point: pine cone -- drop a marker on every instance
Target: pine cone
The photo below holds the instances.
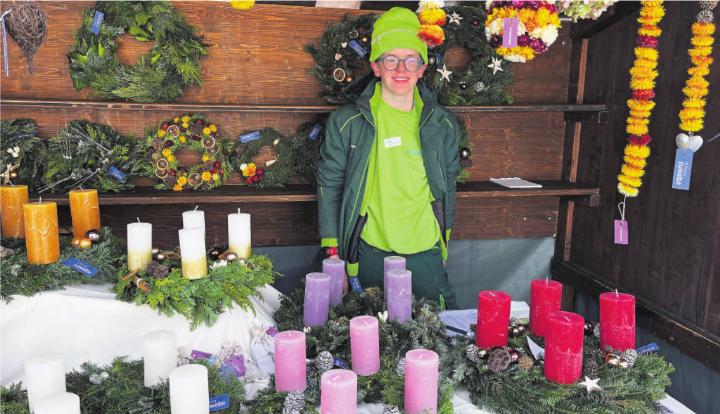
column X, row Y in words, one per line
column 157, row 270
column 499, row 359
column 324, row 361
column 629, row 355
column 596, row 331
column 374, row 292
column 294, row 403
column 471, row 352
column 526, row 362
column 391, row 409
column 400, row 368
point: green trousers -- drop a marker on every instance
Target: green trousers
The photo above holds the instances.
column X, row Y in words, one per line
column 429, row 278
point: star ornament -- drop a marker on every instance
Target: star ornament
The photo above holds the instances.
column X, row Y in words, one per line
column 445, row 73
column 496, row 65
column 455, row 18
column 591, row 385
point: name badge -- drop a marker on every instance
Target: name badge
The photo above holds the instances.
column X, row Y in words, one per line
column 393, row 142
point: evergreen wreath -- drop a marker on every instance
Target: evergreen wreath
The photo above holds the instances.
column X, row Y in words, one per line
column 21, row 278
column 163, row 287
column 276, row 172
column 91, row 155
column 194, row 132
column 22, row 154
column 306, row 147
column 172, row 65
column 119, row 388
column 342, row 68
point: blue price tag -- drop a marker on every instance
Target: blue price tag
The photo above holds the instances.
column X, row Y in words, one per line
column 220, row 402
column 651, row 347
column 355, row 45
column 249, row 137
column 83, row 267
column 97, row 21
column 314, row 132
column 117, row 173
column 355, row 284
column 683, row 169
column 340, row 363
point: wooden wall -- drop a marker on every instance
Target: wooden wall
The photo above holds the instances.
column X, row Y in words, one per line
column 672, row 263
column 257, row 57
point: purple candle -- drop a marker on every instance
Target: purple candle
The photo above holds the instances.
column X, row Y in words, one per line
column 290, row 369
column 421, row 381
column 365, row 345
column 317, row 299
column 335, row 268
column 392, row 263
column 398, row 294
column 338, row 392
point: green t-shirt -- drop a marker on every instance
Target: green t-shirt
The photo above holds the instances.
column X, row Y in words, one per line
column 397, row 198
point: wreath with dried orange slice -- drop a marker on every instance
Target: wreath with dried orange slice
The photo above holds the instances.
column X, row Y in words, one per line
column 194, row 132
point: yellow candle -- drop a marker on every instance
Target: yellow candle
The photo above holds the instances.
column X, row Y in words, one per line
column 85, row 211
column 41, row 232
column 12, row 199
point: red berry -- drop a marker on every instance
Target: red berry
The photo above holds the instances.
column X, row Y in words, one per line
column 165, row 126
column 255, row 178
column 220, row 171
column 172, row 172
column 217, row 164
column 260, row 172
column 214, row 170
column 249, row 180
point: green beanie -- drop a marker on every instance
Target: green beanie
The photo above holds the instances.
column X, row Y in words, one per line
column 397, row 28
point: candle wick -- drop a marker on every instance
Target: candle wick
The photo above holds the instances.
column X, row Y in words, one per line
column 196, row 207
column 238, row 210
column 40, row 200
column 138, row 219
column 616, row 293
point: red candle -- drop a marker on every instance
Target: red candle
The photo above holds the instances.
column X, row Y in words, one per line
column 617, row 321
column 564, row 347
column 492, row 319
column 545, row 297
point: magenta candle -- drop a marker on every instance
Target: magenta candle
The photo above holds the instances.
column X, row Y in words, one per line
column 365, row 345
column 493, row 319
column 617, row 321
column 421, row 381
column 564, row 347
column 391, row 263
column 317, row 299
column 545, row 296
column 290, row 361
column 335, row 268
column 338, row 392
column 398, row 294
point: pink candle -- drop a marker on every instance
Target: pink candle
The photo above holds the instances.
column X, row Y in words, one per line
column 290, row 361
column 338, row 392
column 365, row 345
column 317, row 299
column 421, row 381
column 493, row 319
column 617, row 321
column 545, row 297
column 398, row 294
column 335, row 268
column 564, row 347
column 392, row 263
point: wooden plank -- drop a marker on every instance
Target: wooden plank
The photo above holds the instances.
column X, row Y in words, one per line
column 256, row 56
column 496, row 218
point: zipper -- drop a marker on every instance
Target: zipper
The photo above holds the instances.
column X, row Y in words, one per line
column 364, row 175
column 442, row 173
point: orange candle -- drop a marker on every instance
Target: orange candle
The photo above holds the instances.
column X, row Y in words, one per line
column 12, row 199
column 42, row 239
column 85, row 211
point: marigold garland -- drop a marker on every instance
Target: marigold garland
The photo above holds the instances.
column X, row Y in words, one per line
column 696, row 87
column 640, row 105
column 432, row 17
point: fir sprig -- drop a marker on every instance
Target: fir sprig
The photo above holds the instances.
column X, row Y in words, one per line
column 21, row 147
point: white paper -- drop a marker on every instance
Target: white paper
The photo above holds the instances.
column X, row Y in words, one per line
column 515, row 182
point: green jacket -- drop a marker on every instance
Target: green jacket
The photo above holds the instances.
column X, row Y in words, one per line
column 343, row 168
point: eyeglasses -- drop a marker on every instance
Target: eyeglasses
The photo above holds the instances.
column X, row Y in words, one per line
column 392, row 62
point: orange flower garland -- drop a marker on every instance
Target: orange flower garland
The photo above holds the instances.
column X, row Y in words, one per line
column 696, row 87
column 642, row 83
column 432, row 17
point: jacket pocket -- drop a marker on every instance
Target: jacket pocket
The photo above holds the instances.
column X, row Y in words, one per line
column 354, row 243
column 439, row 211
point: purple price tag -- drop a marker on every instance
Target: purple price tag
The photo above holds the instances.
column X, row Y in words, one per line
column 510, row 32
column 195, row 354
column 272, row 331
column 237, row 364
column 314, row 132
column 338, row 362
column 683, row 169
column 621, row 232
column 355, row 45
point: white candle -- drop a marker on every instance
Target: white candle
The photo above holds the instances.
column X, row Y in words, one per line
column 239, row 234
column 159, row 356
column 139, row 245
column 194, row 219
column 44, row 377
column 189, row 390
column 192, row 253
column 63, row 403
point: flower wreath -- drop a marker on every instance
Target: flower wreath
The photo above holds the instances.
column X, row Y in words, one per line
column 276, row 172
column 188, row 131
column 538, row 25
column 343, row 70
column 172, row 65
column 23, row 155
